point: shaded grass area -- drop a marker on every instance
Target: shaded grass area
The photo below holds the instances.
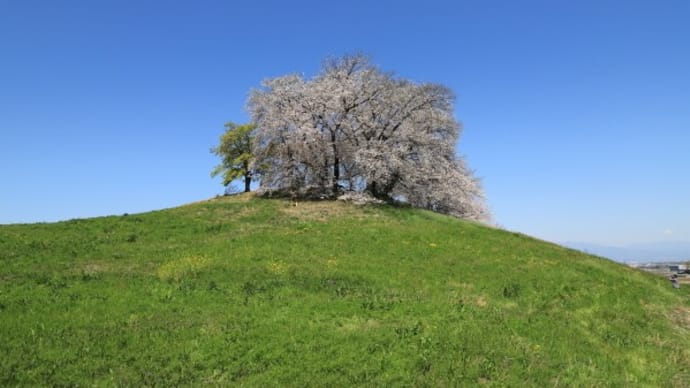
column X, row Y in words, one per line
column 258, row 292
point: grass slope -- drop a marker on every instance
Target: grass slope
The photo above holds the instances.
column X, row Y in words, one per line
column 260, row 293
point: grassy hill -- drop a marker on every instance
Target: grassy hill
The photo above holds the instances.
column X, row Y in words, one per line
column 254, row 292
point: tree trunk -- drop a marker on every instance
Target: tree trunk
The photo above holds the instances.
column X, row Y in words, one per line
column 336, row 176
column 371, row 188
column 247, row 178
column 336, row 166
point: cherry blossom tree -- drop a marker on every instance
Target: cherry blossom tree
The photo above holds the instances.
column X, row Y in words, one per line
column 354, row 127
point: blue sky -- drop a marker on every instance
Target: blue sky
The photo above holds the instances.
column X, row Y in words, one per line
column 576, row 114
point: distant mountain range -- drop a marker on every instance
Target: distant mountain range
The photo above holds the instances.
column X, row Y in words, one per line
column 638, row 253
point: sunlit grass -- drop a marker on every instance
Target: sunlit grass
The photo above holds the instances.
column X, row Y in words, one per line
column 263, row 293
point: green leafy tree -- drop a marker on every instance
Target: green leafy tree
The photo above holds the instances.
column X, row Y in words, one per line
column 236, row 153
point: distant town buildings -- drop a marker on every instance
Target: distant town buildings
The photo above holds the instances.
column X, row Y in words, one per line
column 678, row 273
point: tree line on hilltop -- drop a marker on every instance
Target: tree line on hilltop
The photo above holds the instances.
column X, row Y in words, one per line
column 353, row 128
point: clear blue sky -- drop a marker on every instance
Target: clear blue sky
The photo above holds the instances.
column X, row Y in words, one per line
column 576, row 113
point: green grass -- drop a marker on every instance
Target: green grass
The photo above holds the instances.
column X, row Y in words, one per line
column 244, row 291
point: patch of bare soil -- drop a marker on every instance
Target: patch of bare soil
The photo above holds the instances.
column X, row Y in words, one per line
column 317, row 210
